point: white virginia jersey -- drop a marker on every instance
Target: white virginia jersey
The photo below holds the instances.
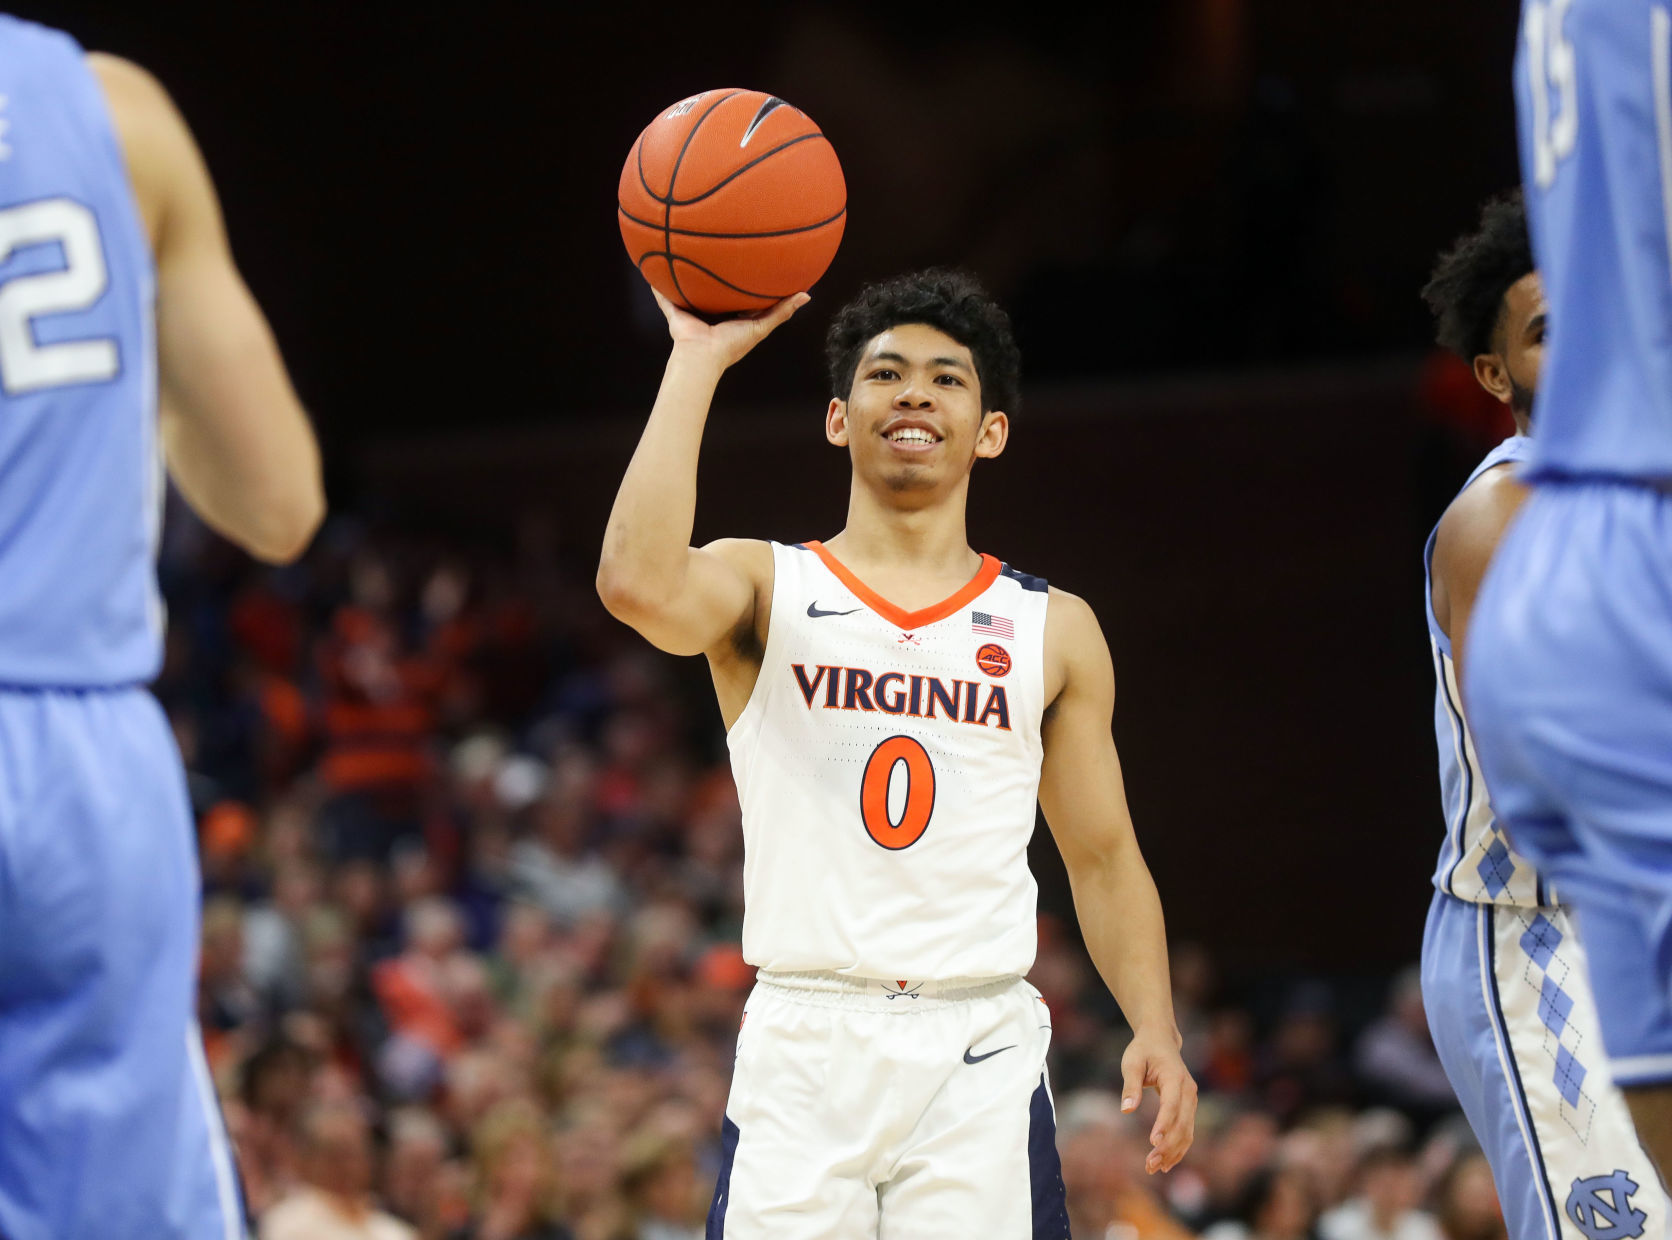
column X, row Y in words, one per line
column 1476, row 861
column 888, row 767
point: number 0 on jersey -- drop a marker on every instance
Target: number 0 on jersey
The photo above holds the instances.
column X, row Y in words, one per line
column 920, row 792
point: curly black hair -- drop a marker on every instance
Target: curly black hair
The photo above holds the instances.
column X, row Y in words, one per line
column 1466, row 291
column 949, row 301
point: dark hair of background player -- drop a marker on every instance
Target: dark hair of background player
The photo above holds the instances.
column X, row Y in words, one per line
column 949, row 301
column 1466, row 291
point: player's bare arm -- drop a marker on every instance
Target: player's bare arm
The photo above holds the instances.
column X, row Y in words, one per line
column 237, row 440
column 1084, row 799
column 1468, row 534
column 711, row 600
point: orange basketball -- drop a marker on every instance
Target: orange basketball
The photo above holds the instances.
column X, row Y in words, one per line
column 731, row 200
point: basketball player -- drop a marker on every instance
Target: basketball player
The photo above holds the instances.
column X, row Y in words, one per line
column 118, row 298
column 896, row 704
column 1569, row 679
column 1503, row 973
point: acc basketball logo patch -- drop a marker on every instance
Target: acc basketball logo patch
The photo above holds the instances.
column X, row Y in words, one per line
column 1601, row 1207
column 993, row 659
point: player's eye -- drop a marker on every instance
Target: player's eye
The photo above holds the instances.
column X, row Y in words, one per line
column 949, row 379
column 885, row 374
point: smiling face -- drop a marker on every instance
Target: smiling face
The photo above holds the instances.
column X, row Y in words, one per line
column 913, row 422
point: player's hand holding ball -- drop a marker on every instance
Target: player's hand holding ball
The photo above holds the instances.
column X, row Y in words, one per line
column 725, row 342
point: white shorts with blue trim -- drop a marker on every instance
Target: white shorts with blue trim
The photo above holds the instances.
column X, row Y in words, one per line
column 899, row 1110
column 1510, row 1005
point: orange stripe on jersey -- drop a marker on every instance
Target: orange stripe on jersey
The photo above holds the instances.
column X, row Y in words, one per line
column 908, row 620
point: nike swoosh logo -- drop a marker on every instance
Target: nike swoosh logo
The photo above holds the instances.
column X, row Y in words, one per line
column 766, row 110
column 969, row 1058
column 815, row 612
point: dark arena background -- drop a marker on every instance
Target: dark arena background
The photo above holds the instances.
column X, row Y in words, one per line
column 471, row 847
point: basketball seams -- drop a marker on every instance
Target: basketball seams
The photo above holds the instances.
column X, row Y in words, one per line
column 712, row 275
column 741, row 169
column 732, row 236
column 668, row 199
column 673, row 180
column 638, row 152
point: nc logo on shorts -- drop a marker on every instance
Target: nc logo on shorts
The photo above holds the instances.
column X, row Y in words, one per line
column 1601, row 1207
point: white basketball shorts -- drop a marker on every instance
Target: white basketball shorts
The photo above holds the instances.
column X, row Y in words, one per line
column 899, row 1110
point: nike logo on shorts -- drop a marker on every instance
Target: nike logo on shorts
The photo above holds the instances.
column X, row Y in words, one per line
column 969, row 1058
column 815, row 612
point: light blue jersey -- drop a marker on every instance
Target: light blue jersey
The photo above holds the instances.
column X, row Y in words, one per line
column 109, row 1127
column 1570, row 671
column 1513, row 1015
column 79, row 467
column 1476, row 862
column 1593, row 85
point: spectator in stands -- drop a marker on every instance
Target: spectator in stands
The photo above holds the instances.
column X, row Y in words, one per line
column 274, row 959
column 555, row 867
column 660, row 1181
column 1103, row 1154
column 414, row 987
column 226, row 1000
column 270, row 1102
column 334, row 1202
column 1231, row 1148
column 1301, row 1068
column 1277, row 1205
column 421, row 1184
column 515, row 1197
column 1385, row 1208
column 1395, row 1056
column 1468, row 1203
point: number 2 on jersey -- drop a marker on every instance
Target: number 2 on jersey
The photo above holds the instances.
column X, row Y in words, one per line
column 26, row 366
column 920, row 792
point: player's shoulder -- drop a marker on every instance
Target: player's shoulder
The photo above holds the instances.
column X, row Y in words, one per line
column 1071, row 625
column 750, row 555
column 1065, row 607
column 1477, row 518
column 1076, row 652
column 128, row 86
column 156, row 143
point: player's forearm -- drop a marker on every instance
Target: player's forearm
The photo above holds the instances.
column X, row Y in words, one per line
column 647, row 541
column 1120, row 918
column 255, row 481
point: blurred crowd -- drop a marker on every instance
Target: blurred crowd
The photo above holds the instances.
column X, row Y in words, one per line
column 470, row 967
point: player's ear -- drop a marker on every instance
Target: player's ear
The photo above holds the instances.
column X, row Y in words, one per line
column 836, row 423
column 994, row 434
column 1493, row 375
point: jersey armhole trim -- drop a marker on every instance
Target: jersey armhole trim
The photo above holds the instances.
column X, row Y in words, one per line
column 774, row 641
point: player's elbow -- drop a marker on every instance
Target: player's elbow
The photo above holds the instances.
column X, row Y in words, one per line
column 286, row 530
column 627, row 595
column 648, row 607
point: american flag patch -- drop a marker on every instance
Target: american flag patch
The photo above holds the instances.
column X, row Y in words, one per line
column 992, row 626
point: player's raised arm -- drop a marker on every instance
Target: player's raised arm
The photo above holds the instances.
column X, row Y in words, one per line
column 1467, row 536
column 1084, row 799
column 236, row 438
column 684, row 599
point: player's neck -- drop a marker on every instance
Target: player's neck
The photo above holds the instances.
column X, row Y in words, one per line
column 930, row 540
